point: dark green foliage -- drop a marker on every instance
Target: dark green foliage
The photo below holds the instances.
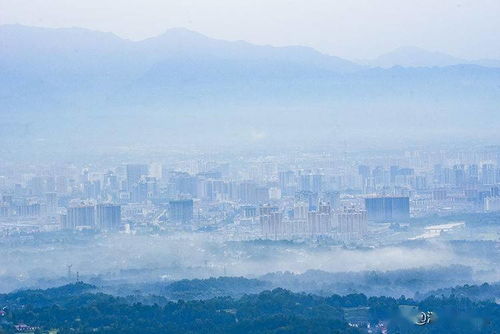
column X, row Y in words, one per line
column 277, row 311
column 475, row 292
column 44, row 297
column 213, row 287
column 72, row 309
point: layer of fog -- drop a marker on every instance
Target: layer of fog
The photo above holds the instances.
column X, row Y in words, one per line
column 138, row 259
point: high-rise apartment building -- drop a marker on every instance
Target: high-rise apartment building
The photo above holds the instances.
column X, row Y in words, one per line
column 381, row 209
column 108, row 217
column 181, row 210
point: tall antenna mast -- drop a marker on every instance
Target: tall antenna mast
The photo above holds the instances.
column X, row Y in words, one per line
column 69, row 270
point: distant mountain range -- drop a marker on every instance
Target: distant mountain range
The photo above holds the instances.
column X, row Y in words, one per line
column 416, row 57
column 74, row 86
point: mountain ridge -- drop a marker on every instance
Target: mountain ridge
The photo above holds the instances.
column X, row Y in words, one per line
column 218, row 91
column 411, row 56
column 406, row 56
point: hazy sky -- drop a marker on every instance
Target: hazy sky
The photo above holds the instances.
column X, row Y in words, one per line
column 347, row 28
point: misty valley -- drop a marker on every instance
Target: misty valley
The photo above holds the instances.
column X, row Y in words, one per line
column 248, row 167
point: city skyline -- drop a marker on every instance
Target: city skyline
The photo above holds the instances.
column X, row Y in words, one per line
column 230, row 166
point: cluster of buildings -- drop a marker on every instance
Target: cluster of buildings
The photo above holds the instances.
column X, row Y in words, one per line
column 277, row 197
column 344, row 225
column 89, row 216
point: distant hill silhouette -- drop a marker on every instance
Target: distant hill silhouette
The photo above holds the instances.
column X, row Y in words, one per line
column 79, row 89
column 409, row 56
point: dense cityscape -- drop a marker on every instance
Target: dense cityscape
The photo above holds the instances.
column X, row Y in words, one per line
column 304, row 196
column 248, row 167
column 319, row 222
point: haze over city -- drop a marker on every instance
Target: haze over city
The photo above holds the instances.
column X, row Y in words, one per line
column 249, row 167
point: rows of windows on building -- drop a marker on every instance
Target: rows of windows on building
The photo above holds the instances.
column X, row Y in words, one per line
column 286, row 203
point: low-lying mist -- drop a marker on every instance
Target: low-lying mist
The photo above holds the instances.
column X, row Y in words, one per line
column 130, row 259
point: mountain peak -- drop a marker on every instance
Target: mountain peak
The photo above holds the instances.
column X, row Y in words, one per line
column 412, row 56
column 178, row 34
column 182, row 31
